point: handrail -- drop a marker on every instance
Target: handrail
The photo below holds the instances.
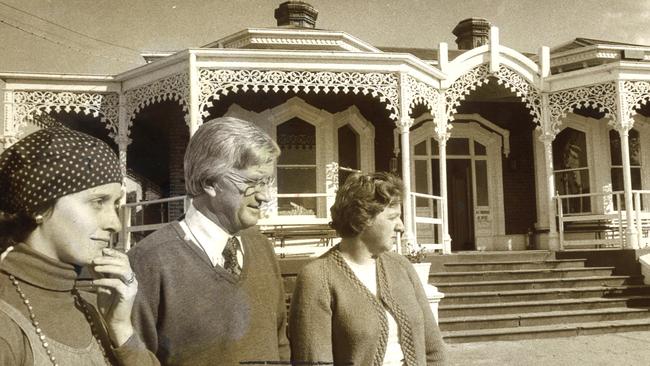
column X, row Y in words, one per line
column 152, row 202
column 594, row 194
column 431, row 220
column 301, row 195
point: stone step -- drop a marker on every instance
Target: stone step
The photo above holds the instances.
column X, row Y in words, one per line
column 547, row 331
column 543, row 294
column 455, row 287
column 541, row 306
column 477, row 256
column 446, row 277
column 511, row 265
column 537, row 319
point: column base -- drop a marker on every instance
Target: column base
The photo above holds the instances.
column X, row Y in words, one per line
column 631, row 240
column 548, row 241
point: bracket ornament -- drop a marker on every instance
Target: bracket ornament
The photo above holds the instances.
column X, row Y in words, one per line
column 421, row 93
column 215, row 83
column 28, row 104
column 463, row 86
column 600, row 96
column 633, row 95
column 175, row 87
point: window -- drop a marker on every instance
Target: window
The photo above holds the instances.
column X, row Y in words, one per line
column 634, row 143
column 296, row 167
column 348, row 152
column 571, row 169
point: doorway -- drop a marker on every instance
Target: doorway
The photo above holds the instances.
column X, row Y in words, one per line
column 460, row 204
column 474, row 182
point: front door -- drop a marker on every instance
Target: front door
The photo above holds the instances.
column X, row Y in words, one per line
column 474, row 185
column 461, row 210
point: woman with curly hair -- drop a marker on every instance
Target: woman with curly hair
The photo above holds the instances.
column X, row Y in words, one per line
column 360, row 303
column 58, row 194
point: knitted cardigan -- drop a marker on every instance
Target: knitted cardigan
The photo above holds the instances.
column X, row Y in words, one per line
column 47, row 283
column 190, row 312
column 335, row 318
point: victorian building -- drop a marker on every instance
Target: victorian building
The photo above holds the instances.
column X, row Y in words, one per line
column 499, row 150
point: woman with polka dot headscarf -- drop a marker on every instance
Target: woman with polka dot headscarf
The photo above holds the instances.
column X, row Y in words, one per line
column 58, row 195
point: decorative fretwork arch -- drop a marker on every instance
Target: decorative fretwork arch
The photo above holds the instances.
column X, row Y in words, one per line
column 421, row 93
column 28, row 104
column 480, row 75
column 175, row 87
column 599, row 96
column 214, row 83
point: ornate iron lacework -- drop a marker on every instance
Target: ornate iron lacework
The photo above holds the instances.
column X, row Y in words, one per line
column 215, row 83
column 633, row 95
column 332, row 176
column 28, row 104
column 46, row 121
column 421, row 93
column 601, row 97
column 523, row 90
column 463, row 86
column 504, row 76
column 175, row 87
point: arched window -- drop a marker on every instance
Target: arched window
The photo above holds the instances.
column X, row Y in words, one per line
column 296, row 167
column 617, row 164
column 571, row 169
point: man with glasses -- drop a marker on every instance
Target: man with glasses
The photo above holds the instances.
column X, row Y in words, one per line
column 210, row 286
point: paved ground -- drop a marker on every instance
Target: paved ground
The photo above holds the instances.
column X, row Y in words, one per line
column 616, row 349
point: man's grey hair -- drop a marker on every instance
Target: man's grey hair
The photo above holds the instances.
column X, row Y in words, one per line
column 221, row 145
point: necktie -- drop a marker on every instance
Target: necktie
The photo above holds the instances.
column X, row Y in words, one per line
column 230, row 262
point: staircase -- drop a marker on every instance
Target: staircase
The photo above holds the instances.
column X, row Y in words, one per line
column 517, row 295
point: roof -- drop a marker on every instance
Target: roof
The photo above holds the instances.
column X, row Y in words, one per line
column 584, row 42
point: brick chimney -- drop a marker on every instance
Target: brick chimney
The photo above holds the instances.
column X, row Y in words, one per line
column 297, row 14
column 471, row 33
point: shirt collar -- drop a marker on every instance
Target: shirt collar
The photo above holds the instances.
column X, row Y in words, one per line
column 208, row 235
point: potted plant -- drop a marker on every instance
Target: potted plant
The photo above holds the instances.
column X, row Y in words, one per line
column 416, row 254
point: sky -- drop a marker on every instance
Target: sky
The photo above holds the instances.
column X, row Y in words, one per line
column 107, row 36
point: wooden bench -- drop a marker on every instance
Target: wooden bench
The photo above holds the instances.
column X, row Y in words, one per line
column 601, row 226
column 281, row 233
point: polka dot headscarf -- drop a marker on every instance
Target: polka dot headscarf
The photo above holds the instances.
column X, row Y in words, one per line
column 52, row 163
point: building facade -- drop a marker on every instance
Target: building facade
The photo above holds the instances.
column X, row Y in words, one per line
column 499, row 150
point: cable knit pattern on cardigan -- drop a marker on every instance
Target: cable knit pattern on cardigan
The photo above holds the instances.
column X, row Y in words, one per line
column 335, row 318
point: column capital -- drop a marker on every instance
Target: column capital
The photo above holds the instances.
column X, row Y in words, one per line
column 404, row 124
column 546, row 137
column 123, row 140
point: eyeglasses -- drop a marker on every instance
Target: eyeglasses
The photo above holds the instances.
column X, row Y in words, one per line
column 249, row 186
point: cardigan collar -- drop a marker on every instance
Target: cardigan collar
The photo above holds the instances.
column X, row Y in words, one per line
column 38, row 269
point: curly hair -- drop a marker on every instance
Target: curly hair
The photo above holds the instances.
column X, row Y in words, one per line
column 361, row 198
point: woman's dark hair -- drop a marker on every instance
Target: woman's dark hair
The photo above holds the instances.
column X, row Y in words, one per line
column 16, row 227
column 361, row 198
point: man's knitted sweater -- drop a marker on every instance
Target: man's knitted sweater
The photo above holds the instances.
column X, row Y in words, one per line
column 190, row 312
column 334, row 318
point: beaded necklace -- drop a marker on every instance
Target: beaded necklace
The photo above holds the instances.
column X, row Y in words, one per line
column 39, row 331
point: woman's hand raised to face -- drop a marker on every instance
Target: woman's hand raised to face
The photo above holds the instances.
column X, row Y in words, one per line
column 116, row 290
